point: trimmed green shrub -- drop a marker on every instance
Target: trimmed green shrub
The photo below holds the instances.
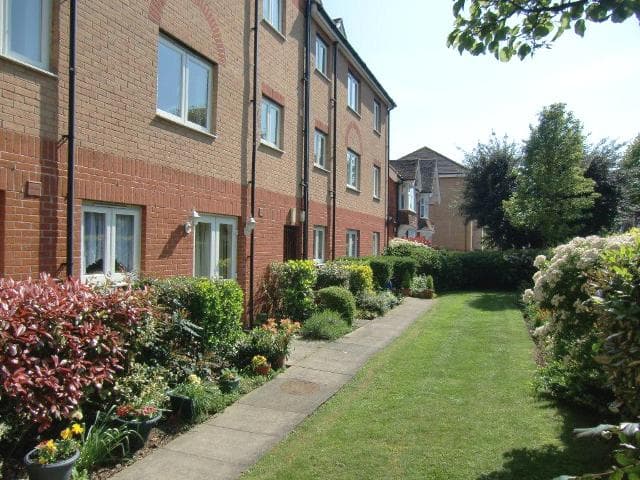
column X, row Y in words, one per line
column 429, row 283
column 333, row 274
column 339, row 299
column 360, row 278
column 325, row 325
column 376, row 303
column 215, row 306
column 289, row 289
column 404, row 269
column 382, row 269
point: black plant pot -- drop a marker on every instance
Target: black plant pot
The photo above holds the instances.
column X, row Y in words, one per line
column 52, row 471
column 141, row 429
column 182, row 406
column 228, row 386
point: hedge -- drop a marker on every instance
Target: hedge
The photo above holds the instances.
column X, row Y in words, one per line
column 338, row 299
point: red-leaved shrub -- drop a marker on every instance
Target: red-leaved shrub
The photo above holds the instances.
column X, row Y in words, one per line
column 57, row 339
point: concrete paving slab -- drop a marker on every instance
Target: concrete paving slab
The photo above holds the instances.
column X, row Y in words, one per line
column 316, row 376
column 251, row 418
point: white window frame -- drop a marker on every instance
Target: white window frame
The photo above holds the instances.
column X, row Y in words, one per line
column 376, row 182
column 186, row 56
column 269, row 15
column 375, row 243
column 110, row 212
column 322, row 55
column 215, row 222
column 45, row 34
column 353, row 243
column 353, row 162
column 424, row 205
column 377, row 115
column 319, row 243
column 353, row 92
column 320, row 149
column 411, row 198
column 265, row 129
column 407, row 197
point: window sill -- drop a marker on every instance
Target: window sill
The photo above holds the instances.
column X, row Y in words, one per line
column 354, row 112
column 320, row 167
column 274, row 30
column 271, row 146
column 407, row 210
column 22, row 63
column 353, row 189
column 377, row 132
column 323, row 75
column 377, row 199
column 173, row 121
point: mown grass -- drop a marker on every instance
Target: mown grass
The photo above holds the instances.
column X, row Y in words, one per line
column 451, row 399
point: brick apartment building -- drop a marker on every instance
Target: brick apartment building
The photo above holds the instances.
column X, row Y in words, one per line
column 164, row 127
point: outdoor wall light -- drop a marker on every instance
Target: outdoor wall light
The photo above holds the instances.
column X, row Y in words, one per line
column 250, row 226
column 188, row 227
column 303, row 216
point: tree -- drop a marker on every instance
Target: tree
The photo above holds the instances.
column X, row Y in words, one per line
column 509, row 27
column 602, row 161
column 629, row 176
column 552, row 194
column 490, row 180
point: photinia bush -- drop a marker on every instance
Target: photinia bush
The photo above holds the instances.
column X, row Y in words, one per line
column 58, row 339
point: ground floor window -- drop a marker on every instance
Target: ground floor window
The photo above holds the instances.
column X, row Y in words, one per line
column 215, row 247
column 375, row 243
column 110, row 241
column 352, row 243
column 319, row 234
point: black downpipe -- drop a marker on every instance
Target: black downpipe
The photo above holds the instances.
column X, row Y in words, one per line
column 334, row 180
column 254, row 153
column 71, row 158
column 386, row 186
column 305, row 141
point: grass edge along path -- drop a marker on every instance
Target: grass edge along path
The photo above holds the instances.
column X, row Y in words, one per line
column 450, row 399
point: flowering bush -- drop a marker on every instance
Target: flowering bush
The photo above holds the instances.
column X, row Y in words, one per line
column 52, row 451
column 417, row 241
column 130, row 412
column 140, row 393
column 60, row 339
column 282, row 332
column 569, row 335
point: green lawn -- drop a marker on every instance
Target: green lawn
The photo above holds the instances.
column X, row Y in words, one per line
column 450, row 399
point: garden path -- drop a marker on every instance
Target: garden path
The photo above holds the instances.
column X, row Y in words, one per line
column 229, row 443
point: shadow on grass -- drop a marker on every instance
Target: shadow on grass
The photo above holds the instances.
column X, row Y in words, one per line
column 573, row 457
column 494, row 301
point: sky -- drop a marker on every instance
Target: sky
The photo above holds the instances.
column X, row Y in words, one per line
column 450, row 102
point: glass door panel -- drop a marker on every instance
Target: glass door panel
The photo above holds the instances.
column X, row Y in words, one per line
column 224, row 253
column 203, row 239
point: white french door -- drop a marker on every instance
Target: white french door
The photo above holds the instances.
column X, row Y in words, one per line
column 215, row 247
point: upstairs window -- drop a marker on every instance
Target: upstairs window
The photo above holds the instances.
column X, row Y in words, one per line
column 424, row 206
column 353, row 93
column 376, row 181
column 377, row 116
column 320, row 149
column 270, row 120
column 184, row 86
column 353, row 170
column 272, row 13
column 321, row 56
column 25, row 31
column 407, row 200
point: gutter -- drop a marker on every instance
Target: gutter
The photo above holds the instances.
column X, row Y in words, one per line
column 254, row 153
column 71, row 136
column 305, row 140
column 334, row 180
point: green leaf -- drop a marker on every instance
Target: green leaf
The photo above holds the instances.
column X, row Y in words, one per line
column 580, row 27
column 524, row 50
column 541, row 31
column 457, row 7
column 505, row 54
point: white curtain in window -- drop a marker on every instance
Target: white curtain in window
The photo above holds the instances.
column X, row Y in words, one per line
column 94, row 242
column 124, row 243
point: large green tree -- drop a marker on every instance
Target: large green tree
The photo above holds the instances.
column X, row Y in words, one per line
column 519, row 27
column 629, row 175
column 490, row 180
column 552, row 195
column 601, row 162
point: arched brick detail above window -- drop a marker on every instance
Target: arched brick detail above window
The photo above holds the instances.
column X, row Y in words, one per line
column 155, row 15
column 353, row 137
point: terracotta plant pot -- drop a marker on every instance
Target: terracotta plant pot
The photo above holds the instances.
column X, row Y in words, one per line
column 428, row 293
column 262, row 369
column 278, row 363
column 51, row 471
column 142, row 429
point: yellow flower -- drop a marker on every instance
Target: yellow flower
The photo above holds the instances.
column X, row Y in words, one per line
column 193, row 378
column 51, row 446
column 77, row 429
column 77, row 415
column 66, row 434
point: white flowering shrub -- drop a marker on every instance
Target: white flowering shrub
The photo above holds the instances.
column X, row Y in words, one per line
column 569, row 337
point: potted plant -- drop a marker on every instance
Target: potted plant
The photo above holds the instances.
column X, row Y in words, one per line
column 422, row 286
column 140, row 397
column 429, row 291
column 229, row 380
column 282, row 332
column 260, row 365
column 54, row 459
column 193, row 399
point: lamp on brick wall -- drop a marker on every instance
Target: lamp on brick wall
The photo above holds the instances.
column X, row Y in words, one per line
column 250, row 226
column 188, row 226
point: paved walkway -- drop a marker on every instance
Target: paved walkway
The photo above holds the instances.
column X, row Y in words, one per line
column 229, row 443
